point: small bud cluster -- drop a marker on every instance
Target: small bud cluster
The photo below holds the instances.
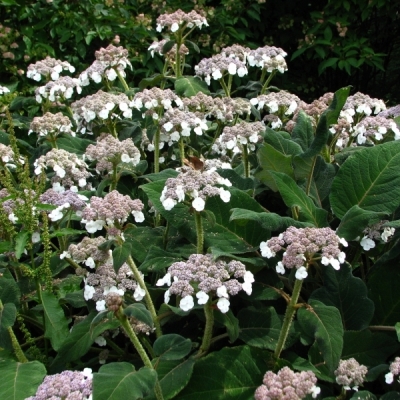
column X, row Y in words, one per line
column 88, row 252
column 70, row 171
column 105, row 285
column 394, row 370
column 48, row 68
column 350, row 374
column 74, row 385
column 64, row 200
column 177, row 123
column 217, row 66
column 62, row 88
column 344, row 130
column 178, row 19
column 376, row 232
column 109, row 152
column 224, row 109
column 158, row 47
column 155, row 98
column 204, row 277
column 287, row 385
column 300, row 245
column 268, row 57
column 371, row 129
column 101, row 105
column 196, row 185
column 140, row 327
column 317, row 107
column 362, row 105
column 236, row 136
column 114, row 209
column 51, row 124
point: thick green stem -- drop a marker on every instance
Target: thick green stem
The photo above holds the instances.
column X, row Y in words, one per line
column 265, row 86
column 245, row 159
column 122, row 80
column 209, row 314
column 199, row 232
column 114, row 179
column 287, row 321
column 139, row 348
column 310, row 176
column 147, row 298
column 182, row 150
column 157, row 151
column 178, row 70
column 226, row 89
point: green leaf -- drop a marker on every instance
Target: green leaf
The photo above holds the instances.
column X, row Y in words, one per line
column 270, row 159
column 56, row 325
column 368, row 348
column 303, row 133
column 348, row 294
column 7, row 318
column 19, row 381
column 390, row 396
column 368, row 178
column 140, row 312
column 363, row 395
column 355, row 221
column 20, row 243
column 384, row 289
column 172, row 347
column 152, row 81
column 142, row 239
column 230, row 322
column 9, row 290
column 282, row 142
column 261, row 328
column 188, row 86
column 74, row 145
column 293, row 196
column 120, row 380
column 66, row 232
column 231, row 373
column 325, row 325
column 158, row 260
column 120, row 254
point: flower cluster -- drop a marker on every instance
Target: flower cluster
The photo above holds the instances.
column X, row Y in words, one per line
column 63, row 200
column 158, row 47
column 88, row 252
column 350, row 374
column 300, row 245
column 236, row 136
column 236, row 51
column 109, row 152
column 376, row 232
column 394, row 370
column 361, row 105
column 197, row 185
column 49, row 67
column 109, row 62
column 154, row 98
column 51, row 124
column 371, row 129
column 7, row 156
column 177, row 123
column 62, row 88
column 269, row 58
column 179, row 18
column 113, row 209
column 217, row 66
column 70, row 171
column 106, row 287
column 204, row 277
column 102, row 105
column 287, row 385
column 66, row 385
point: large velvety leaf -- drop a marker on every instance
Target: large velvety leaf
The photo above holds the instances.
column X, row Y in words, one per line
column 348, row 294
column 74, row 145
column 355, row 221
column 56, row 325
column 172, row 347
column 293, row 196
column 9, row 290
column 158, row 260
column 325, row 324
column 369, row 178
column 363, row 395
column 369, row 348
column 188, row 86
column 19, row 381
column 230, row 322
column 140, row 312
column 120, row 254
column 120, row 380
column 282, row 142
column 384, row 289
column 7, row 318
column 231, row 373
column 270, row 159
column 302, row 132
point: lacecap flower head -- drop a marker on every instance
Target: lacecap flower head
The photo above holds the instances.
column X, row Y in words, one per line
column 204, row 278
column 350, row 374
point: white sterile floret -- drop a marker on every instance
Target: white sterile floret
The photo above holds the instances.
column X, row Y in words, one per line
column 332, row 261
column 94, row 226
column 100, row 305
column 167, row 296
column 266, row 251
column 222, row 292
column 198, row 204
column 301, row 273
column 225, row 195
column 13, row 218
column 367, row 243
column 101, row 341
column 139, row 293
column 166, row 280
column 315, row 391
column 202, row 297
column 113, row 289
column 223, row 305
column 35, row 237
column 90, row 262
column 387, row 232
column 248, row 278
column 280, row 269
column 59, row 171
column 138, row 215
column 88, row 292
column 232, row 69
column 389, row 378
column 216, row 74
column 343, row 242
column 169, row 204
column 186, row 303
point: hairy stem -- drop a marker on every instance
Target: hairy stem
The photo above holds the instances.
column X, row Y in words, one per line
column 209, row 314
column 199, row 232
